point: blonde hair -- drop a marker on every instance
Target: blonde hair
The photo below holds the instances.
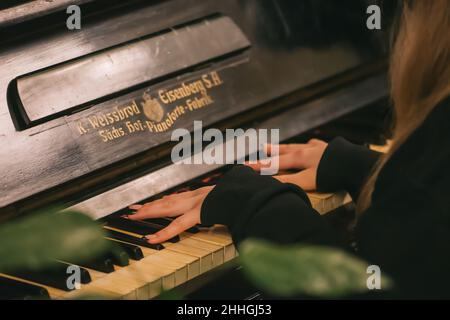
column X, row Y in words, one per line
column 419, row 74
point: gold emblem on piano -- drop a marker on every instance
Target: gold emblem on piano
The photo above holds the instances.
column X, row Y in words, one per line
column 152, row 108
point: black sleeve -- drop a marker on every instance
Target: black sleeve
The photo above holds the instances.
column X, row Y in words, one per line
column 406, row 234
column 251, row 205
column 345, row 166
column 406, row 230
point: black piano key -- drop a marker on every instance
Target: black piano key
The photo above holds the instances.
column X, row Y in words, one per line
column 193, row 230
column 17, row 290
column 139, row 227
column 104, row 265
column 133, row 252
column 165, row 222
column 142, row 242
column 212, row 179
column 56, row 278
column 195, row 185
column 119, row 257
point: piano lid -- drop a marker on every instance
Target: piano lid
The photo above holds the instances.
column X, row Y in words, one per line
column 17, row 11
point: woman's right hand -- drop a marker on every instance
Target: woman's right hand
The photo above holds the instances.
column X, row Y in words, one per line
column 304, row 157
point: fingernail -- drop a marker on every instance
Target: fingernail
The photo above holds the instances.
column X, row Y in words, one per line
column 152, row 238
column 135, row 207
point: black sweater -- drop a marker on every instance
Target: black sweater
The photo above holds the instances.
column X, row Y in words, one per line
column 406, row 231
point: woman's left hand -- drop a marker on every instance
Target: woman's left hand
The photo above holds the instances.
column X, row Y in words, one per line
column 304, row 157
column 185, row 206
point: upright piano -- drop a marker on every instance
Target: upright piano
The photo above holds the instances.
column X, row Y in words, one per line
column 86, row 115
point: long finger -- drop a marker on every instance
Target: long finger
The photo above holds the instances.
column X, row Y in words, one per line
column 305, row 179
column 284, row 148
column 170, row 207
column 285, row 162
column 175, row 196
column 177, row 226
column 314, row 142
column 181, row 195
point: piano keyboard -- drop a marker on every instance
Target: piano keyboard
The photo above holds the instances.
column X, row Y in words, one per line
column 142, row 271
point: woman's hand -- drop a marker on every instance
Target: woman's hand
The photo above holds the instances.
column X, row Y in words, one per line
column 185, row 206
column 304, row 157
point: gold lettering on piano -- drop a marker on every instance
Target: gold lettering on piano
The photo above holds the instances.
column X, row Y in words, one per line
column 82, row 130
column 154, row 113
column 111, row 134
column 168, row 122
column 103, row 120
column 152, row 108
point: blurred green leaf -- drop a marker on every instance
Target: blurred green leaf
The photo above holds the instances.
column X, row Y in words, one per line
column 171, row 295
column 315, row 271
column 35, row 241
